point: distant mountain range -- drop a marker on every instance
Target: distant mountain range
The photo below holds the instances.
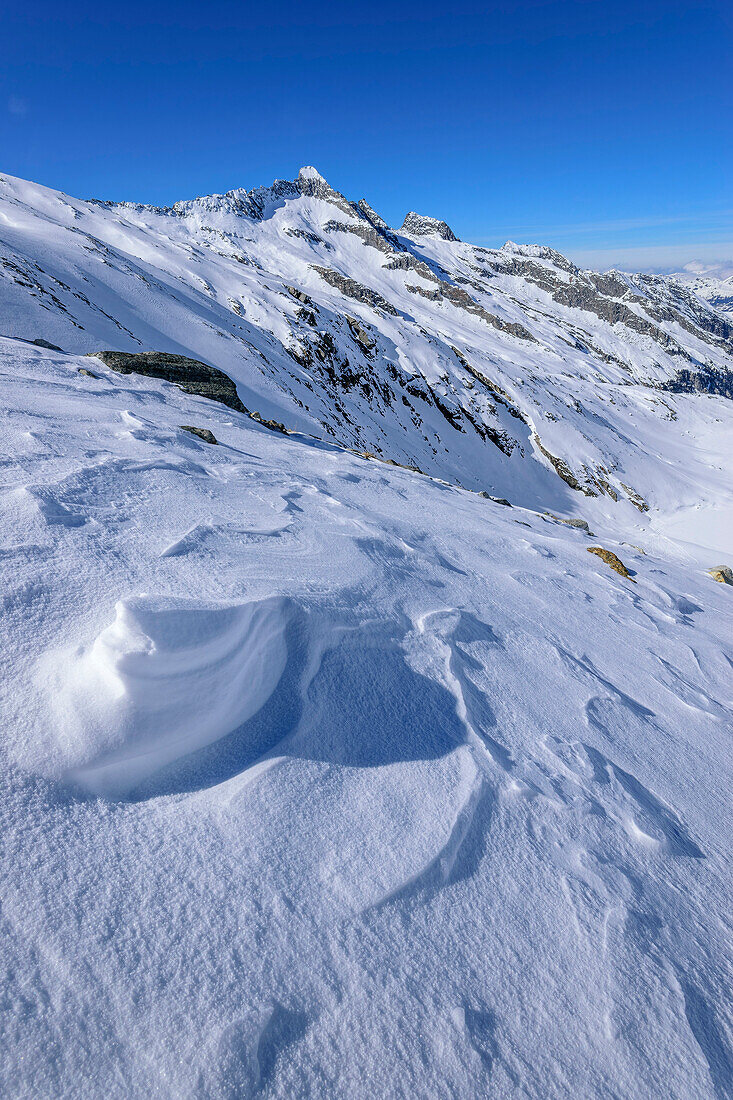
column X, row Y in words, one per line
column 713, row 282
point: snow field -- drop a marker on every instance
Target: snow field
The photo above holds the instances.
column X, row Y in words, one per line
column 324, row 778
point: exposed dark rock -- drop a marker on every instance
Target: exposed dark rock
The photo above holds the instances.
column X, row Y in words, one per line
column 273, row 425
column 579, row 293
column 306, row 235
column 419, row 225
column 202, row 433
column 529, row 270
column 496, row 500
column 686, row 309
column 376, row 238
column 360, row 334
column 307, row 316
column 636, row 499
column 190, row 375
column 459, row 297
column 607, row 296
column 713, row 380
column 371, row 215
column 501, row 396
column 405, row 261
column 300, row 295
column 541, row 252
column 45, row 344
column 352, row 289
column 564, row 471
column 87, row 373
column 722, row 573
column 581, row 524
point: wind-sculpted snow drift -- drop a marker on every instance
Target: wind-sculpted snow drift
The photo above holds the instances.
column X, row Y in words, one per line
column 324, row 777
column 166, row 678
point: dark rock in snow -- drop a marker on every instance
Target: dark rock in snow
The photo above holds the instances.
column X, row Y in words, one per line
column 419, row 225
column 45, row 344
column 202, row 433
column 273, row 425
column 708, row 379
column 190, row 375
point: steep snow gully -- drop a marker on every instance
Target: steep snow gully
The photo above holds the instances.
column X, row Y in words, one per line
column 327, row 777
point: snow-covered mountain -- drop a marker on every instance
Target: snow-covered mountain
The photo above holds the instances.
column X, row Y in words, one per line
column 327, row 777
column 497, row 369
column 713, row 282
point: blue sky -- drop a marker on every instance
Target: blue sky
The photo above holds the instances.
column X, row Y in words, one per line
column 603, row 128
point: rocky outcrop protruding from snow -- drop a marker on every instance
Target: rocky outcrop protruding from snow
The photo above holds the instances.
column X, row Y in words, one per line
column 612, row 560
column 190, row 375
column 539, row 252
column 459, row 297
column 352, row 289
column 371, row 215
column 705, row 380
column 311, row 183
column 202, row 433
column 419, row 225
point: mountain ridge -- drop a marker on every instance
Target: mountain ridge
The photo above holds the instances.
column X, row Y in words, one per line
column 452, row 358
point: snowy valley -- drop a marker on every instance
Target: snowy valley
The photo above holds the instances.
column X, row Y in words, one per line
column 334, row 763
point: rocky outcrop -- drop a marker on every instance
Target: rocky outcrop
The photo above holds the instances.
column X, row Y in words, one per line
column 300, row 295
column 405, row 261
column 636, row 498
column 722, row 573
column 202, row 433
column 581, row 524
column 371, row 215
column 369, row 235
column 352, row 289
column 539, row 252
column 419, row 225
column 45, row 344
column 190, row 375
column 705, row 380
column 273, row 425
column 360, row 334
column 459, row 297
column 610, row 559
column 564, row 471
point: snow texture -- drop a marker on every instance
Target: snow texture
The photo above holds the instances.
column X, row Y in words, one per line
column 325, row 777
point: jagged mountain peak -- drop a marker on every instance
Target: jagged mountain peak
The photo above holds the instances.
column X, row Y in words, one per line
column 539, row 252
column 308, row 172
column 371, row 215
column 420, row 225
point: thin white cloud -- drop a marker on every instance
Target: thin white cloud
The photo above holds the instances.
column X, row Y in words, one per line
column 707, row 220
column 654, row 258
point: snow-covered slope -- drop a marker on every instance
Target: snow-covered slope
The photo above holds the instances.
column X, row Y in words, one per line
column 324, row 777
column 712, row 282
column 496, row 369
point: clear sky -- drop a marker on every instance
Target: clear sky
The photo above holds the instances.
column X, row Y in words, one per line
column 603, row 128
